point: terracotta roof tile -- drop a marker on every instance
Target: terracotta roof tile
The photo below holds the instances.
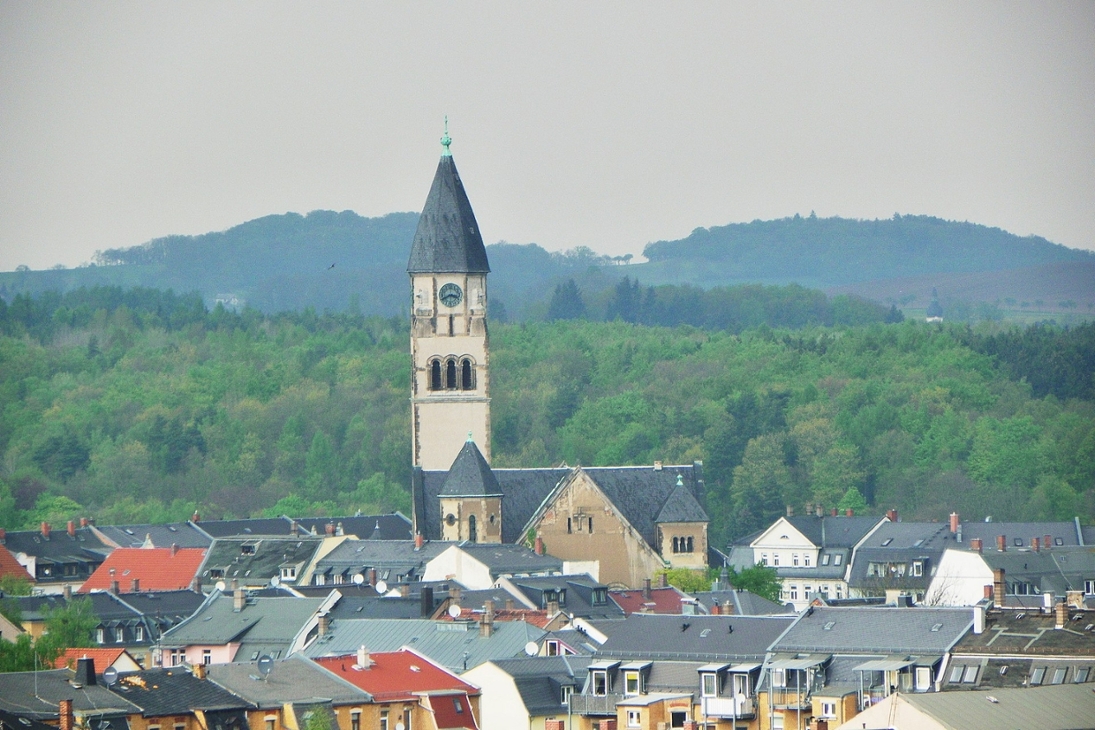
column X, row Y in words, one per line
column 157, row 569
column 395, row 675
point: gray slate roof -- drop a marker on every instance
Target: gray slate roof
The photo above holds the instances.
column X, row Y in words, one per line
column 390, row 558
column 833, row 532
column 579, row 595
column 681, row 506
column 36, row 694
column 263, row 562
column 701, row 638
column 174, row 691
column 183, row 534
column 1070, row 533
column 447, row 239
column 539, row 680
column 503, row 559
column 1064, row 707
column 470, row 475
column 83, row 549
column 639, row 492
column 295, row 679
column 1057, row 570
column 444, row 642
column 879, row 630
column 745, row 603
column 265, row 625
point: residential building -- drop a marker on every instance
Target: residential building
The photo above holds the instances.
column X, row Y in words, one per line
column 528, row 692
column 61, row 697
column 262, row 560
column 56, row 558
column 133, row 570
column 180, row 699
column 119, row 658
column 478, row 566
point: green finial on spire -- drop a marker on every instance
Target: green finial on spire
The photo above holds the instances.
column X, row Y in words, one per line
column 680, row 481
column 470, row 439
column 446, row 140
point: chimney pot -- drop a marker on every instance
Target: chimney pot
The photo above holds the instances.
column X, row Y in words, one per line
column 833, row 512
column 1002, row 543
column 849, row 512
column 135, row 586
column 45, row 530
column 195, row 517
column 539, row 545
column 66, row 591
column 1047, row 541
column 976, row 544
column 1036, row 544
column 71, row 527
column 954, row 522
column 83, row 522
column 646, row 588
column 419, row 541
column 65, row 715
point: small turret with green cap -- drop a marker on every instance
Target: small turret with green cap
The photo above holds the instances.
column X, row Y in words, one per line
column 446, row 140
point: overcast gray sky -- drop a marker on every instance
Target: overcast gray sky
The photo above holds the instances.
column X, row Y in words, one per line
column 607, row 125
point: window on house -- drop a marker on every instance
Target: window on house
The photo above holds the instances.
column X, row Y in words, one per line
column 825, row 559
column 467, row 375
column 600, row 596
column 677, row 719
column 956, row 673
column 216, row 573
column 634, row 718
column 138, row 633
column 320, row 579
column 839, row 590
column 828, row 709
column 407, row 710
column 1080, row 675
column 923, row 679
column 794, row 559
column 270, row 723
column 779, row 678
column 590, row 525
column 709, row 685
column 775, row 559
column 119, row 635
column 794, row 593
column 917, row 568
column 565, row 694
column 552, row 647
column 764, row 558
column 600, row 682
column 806, row 560
column 457, row 706
column 1038, row 676
column 1059, row 675
column 838, row 559
column 288, row 573
column 450, row 374
column 383, row 720
column 355, row 720
column 100, row 635
column 1089, row 587
column 970, row 675
column 1058, row 541
column 435, row 375
column 247, row 549
column 569, row 526
column 207, row 657
column 631, row 683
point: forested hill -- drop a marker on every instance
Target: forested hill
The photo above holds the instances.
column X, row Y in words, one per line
column 328, row 260
column 829, row 252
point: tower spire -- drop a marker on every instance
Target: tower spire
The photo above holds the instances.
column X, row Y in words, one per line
column 446, row 140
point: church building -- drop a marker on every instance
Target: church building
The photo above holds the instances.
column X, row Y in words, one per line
column 625, row 522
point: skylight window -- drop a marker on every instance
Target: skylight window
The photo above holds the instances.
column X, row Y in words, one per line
column 829, row 626
column 936, row 627
column 887, row 541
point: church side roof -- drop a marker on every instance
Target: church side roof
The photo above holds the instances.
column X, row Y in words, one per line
column 448, row 238
column 470, row 475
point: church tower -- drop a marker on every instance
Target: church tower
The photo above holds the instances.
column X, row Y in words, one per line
column 450, row 394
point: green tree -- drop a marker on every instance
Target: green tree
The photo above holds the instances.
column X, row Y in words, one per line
column 689, row 581
column 68, row 627
column 760, row 579
column 566, row 302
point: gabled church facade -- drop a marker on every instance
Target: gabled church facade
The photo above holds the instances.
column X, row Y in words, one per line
column 632, row 520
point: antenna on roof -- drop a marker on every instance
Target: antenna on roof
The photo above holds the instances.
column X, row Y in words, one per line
column 266, row 663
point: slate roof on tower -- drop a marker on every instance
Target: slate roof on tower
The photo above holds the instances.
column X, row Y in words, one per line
column 470, row 475
column 448, row 238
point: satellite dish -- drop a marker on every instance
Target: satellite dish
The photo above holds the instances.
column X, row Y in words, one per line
column 220, row 586
column 266, row 663
column 400, row 726
column 275, row 581
column 358, row 579
column 381, row 587
column 110, row 676
column 454, row 610
column 531, row 648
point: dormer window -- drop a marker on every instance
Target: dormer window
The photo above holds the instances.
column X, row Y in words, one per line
column 600, row 596
column 600, row 682
column 247, row 548
column 838, row 558
column 288, row 573
column 825, row 559
column 709, row 684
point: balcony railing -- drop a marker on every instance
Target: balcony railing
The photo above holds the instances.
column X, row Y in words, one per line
column 583, row 704
column 740, row 706
column 789, row 698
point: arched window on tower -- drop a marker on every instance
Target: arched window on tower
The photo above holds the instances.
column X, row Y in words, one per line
column 435, row 375
column 450, row 374
column 467, row 375
column 473, row 533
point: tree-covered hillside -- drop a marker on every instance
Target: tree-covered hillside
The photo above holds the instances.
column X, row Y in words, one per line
column 138, row 405
column 831, row 252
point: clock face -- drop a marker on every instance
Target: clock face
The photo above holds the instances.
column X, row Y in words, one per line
column 450, row 295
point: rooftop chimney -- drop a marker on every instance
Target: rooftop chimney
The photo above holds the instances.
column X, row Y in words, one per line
column 1002, row 543
column 819, row 511
column 891, row 515
column 539, row 545
column 999, row 587
column 3, row 536
column 657, row 466
column 1036, row 544
column 85, row 671
column 45, row 530
column 324, row 624
column 1075, row 599
column 404, row 589
column 486, row 626
column 954, row 523
column 663, row 580
column 1062, row 615
column 83, row 522
column 1047, row 602
column 454, row 592
column 198, row 670
column 195, row 517
column 66, row 591
column 977, row 544
column 419, row 541
column 196, row 584
column 238, row 596
column 135, row 585
column 849, row 512
column 65, row 716
column 716, row 609
column 294, row 528
column 71, row 527
column 372, row 577
column 363, row 659
column 833, row 512
column 646, row 588
column 790, row 511
column 988, row 592
column 425, row 600
column 1047, row 541
column 329, row 528
column 509, row 604
column 174, row 549
column 727, row 608
column 114, row 587
column 552, row 609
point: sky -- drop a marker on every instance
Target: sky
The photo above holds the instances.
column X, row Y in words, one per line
column 607, row 125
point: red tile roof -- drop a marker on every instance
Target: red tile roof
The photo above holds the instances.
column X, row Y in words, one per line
column 158, row 569
column 452, row 712
column 396, row 675
column 103, row 658
column 662, row 600
column 10, row 566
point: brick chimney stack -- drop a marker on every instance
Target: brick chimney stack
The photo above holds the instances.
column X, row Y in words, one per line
column 833, row 512
column 954, row 523
column 999, row 587
column 324, row 624
column 419, row 541
column 1047, row 541
column 329, row 528
column 1002, row 543
column 1036, row 544
column 83, row 522
column 71, row 527
column 174, row 549
column 891, row 515
column 716, row 610
column 1062, row 614
column 195, row 517
column 849, row 512
column 65, row 716
column 977, row 544
column 66, row 591
column 539, row 545
column 646, row 588
column 135, row 585
column 486, row 626
column 45, row 530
